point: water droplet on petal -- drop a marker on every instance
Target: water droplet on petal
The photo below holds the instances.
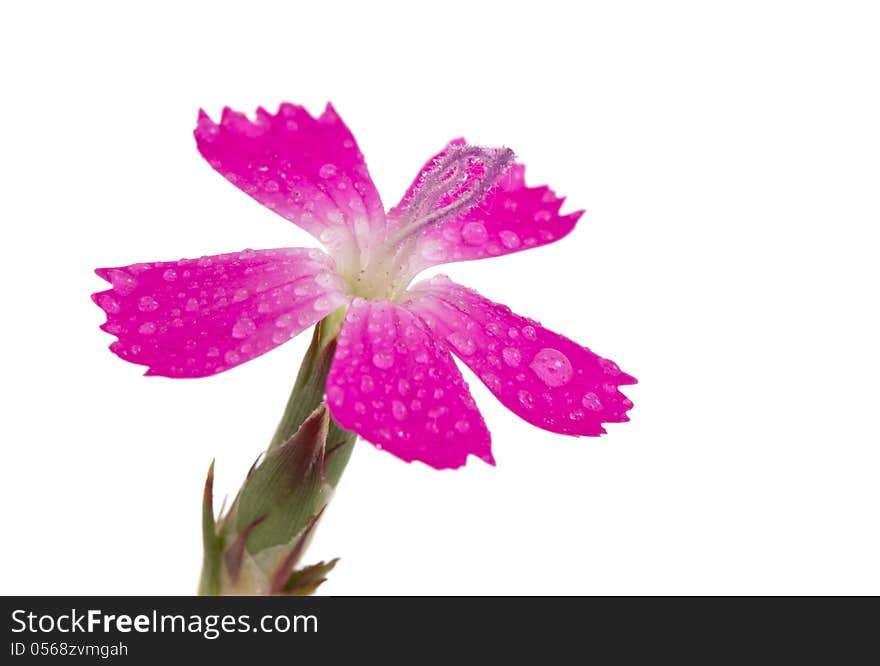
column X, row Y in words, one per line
column 529, row 333
column 360, row 408
column 463, row 343
column 610, row 367
column 147, row 328
column 398, row 410
column 591, row 401
column 121, row 281
column 383, row 360
column 212, row 352
column 462, row 425
column 239, row 295
column 511, row 356
column 192, row 305
column 367, row 384
column 434, row 250
column 327, row 171
column 474, row 233
column 169, row 275
column 109, row 304
column 403, row 386
column 244, row 328
column 335, row 396
column 552, row 367
column 147, row 304
column 543, row 216
column 491, row 381
column 510, row 240
column 231, row 357
column 525, row 399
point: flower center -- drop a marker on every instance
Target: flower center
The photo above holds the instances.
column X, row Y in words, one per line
column 383, row 274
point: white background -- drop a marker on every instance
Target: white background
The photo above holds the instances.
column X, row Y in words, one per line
column 729, row 158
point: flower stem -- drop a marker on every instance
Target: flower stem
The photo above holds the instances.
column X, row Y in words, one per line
column 254, row 547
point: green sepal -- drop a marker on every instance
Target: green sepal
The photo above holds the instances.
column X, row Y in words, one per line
column 287, row 489
column 305, row 581
column 212, row 543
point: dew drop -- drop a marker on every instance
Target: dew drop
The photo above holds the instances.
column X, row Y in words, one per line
column 239, row 295
column 591, row 401
column 192, row 305
column 511, row 356
column 271, row 186
column 383, row 360
column 285, row 320
column 474, row 233
column 576, row 415
column 491, row 381
column 398, row 410
column 610, row 367
column 147, row 328
column 335, row 396
column 543, row 216
column 169, row 275
column 463, row 343
column 525, row 399
column 403, row 386
column 510, row 240
column 367, row 383
column 243, row 328
column 552, row 367
column 462, row 425
column 415, row 405
column 327, row 171
column 147, row 304
column 529, row 333
column 121, row 281
column 109, row 304
column 212, row 352
column 360, row 408
column 434, row 250
column 231, row 357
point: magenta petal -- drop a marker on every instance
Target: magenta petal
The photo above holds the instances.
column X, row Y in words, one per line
column 198, row 317
column 308, row 170
column 510, row 217
column 545, row 378
column 391, row 383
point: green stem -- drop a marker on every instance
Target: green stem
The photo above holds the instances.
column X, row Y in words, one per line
column 305, row 397
column 308, row 390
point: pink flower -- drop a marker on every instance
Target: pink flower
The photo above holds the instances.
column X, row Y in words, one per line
column 393, row 380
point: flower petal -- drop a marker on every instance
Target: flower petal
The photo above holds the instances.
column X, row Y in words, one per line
column 545, row 378
column 391, row 383
column 198, row 317
column 509, row 217
column 308, row 170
